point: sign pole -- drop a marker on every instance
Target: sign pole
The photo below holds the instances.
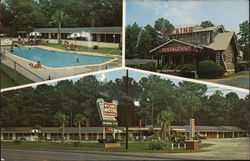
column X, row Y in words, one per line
column 127, row 109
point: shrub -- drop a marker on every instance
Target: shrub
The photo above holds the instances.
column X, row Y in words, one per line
column 112, row 140
column 209, row 69
column 197, row 137
column 103, row 141
column 17, row 142
column 77, row 144
column 156, row 143
column 95, row 47
column 153, row 137
column 150, row 66
column 186, row 70
column 22, row 139
column 178, row 139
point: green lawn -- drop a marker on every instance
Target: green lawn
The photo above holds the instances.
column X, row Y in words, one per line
column 133, row 147
column 7, row 81
column 86, row 49
column 239, row 74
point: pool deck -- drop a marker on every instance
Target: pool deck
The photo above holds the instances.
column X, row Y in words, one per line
column 55, row 73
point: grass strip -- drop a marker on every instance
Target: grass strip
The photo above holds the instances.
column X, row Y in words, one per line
column 10, row 78
column 133, row 147
column 86, row 49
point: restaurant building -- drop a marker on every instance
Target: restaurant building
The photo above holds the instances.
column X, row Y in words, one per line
column 193, row 44
column 95, row 133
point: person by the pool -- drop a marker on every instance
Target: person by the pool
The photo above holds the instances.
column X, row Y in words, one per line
column 77, row 60
column 75, row 47
column 37, row 65
column 12, row 49
column 68, row 46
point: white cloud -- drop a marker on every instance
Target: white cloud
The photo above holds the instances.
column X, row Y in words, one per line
column 178, row 17
column 190, row 4
column 103, row 77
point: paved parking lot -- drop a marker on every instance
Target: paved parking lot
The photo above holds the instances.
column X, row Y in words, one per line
column 226, row 149
column 240, row 82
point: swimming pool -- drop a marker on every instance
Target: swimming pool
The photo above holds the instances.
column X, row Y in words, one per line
column 55, row 59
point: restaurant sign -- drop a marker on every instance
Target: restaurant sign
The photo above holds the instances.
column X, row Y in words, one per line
column 107, row 112
column 176, row 49
column 179, row 31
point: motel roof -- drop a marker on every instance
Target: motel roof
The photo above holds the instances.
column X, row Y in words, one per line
column 208, row 128
column 97, row 30
column 51, row 129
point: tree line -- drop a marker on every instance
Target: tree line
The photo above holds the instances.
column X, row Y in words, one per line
column 24, row 15
column 159, row 98
column 140, row 40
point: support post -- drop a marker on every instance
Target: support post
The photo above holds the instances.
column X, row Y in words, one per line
column 15, row 72
column 14, row 136
column 103, row 133
column 48, row 136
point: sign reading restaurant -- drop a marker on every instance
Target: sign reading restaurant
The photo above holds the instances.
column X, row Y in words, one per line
column 175, row 49
column 179, row 31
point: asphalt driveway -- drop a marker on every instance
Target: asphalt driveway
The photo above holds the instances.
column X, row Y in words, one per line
column 222, row 149
column 241, row 82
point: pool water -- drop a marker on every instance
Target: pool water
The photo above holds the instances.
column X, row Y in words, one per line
column 58, row 59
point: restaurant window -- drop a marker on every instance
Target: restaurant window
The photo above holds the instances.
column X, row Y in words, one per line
column 203, row 39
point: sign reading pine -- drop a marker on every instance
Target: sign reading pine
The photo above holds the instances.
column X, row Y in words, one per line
column 184, row 30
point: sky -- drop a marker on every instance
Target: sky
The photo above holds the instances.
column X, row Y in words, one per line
column 185, row 13
column 138, row 75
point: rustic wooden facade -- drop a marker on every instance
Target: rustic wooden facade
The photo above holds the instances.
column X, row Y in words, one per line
column 212, row 43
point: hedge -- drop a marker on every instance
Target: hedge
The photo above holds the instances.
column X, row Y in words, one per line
column 209, row 69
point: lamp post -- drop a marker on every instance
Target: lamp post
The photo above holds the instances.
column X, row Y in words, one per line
column 127, row 109
column 152, row 111
column 137, row 103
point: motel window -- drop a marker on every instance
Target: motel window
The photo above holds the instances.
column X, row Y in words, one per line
column 203, row 39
